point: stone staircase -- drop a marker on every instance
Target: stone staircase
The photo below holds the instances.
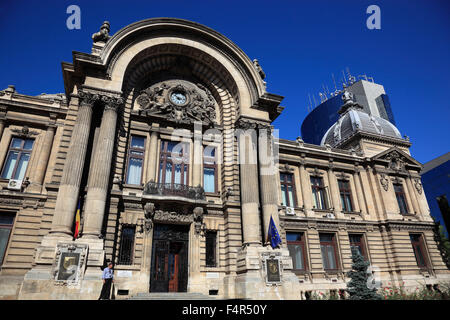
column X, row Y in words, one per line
column 171, row 296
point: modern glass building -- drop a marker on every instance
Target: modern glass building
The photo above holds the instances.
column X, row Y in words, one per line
column 320, row 119
column 368, row 94
column 436, row 183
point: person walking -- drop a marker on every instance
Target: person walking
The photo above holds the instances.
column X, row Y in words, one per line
column 108, row 279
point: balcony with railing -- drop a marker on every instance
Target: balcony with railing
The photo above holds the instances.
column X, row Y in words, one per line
column 174, row 191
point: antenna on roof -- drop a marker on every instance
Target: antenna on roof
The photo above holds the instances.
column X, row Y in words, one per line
column 351, row 79
column 310, row 103
column 345, row 79
column 325, row 92
column 322, row 97
column 334, row 82
column 363, row 76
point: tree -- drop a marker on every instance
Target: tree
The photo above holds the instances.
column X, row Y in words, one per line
column 357, row 286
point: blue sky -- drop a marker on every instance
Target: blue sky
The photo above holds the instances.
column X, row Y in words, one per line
column 299, row 44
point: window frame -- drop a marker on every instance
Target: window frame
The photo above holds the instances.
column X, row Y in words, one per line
column 215, row 233
column 421, row 244
column 20, row 151
column 287, row 184
column 345, row 192
column 211, row 163
column 335, row 250
column 401, row 194
column 10, row 227
column 166, row 156
column 132, row 247
column 301, row 243
column 319, row 188
column 130, row 156
column 362, row 244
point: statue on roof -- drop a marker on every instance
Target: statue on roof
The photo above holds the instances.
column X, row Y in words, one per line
column 103, row 34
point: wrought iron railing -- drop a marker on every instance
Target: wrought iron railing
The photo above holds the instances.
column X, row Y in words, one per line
column 174, row 189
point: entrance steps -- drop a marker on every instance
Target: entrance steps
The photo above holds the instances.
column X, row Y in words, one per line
column 171, row 296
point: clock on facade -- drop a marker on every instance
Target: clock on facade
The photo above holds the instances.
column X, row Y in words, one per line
column 178, row 98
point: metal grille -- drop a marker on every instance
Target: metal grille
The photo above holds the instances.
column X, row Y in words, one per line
column 127, row 245
column 211, row 238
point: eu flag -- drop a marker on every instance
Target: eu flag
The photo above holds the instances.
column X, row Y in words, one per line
column 273, row 235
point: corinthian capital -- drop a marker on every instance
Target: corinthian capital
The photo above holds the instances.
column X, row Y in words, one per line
column 246, row 124
column 112, row 103
column 87, row 98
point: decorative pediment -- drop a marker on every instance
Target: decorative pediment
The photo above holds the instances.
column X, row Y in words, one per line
column 396, row 159
column 179, row 101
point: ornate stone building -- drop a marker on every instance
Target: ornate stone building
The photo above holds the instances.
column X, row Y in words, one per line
column 163, row 140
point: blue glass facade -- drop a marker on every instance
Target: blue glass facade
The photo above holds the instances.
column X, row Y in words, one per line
column 436, row 184
column 318, row 121
column 388, row 109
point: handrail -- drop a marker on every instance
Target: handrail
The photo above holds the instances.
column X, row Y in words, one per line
column 174, row 189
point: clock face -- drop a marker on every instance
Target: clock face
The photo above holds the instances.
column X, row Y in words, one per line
column 177, row 97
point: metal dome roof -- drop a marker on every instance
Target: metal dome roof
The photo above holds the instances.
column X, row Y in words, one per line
column 353, row 119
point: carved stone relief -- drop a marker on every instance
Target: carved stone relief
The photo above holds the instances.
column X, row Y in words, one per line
column 396, row 161
column 384, row 182
column 153, row 215
column 418, row 185
column 179, row 101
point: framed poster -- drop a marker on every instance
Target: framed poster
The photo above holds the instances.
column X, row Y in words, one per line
column 68, row 265
column 70, row 261
column 273, row 270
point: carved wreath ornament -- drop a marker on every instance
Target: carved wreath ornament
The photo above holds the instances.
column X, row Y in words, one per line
column 384, row 182
column 178, row 101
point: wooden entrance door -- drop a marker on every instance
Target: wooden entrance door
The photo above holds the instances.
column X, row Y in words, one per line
column 169, row 259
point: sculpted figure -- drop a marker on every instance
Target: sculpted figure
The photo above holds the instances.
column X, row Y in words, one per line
column 103, row 34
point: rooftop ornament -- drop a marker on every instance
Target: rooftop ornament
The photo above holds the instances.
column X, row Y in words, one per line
column 103, row 34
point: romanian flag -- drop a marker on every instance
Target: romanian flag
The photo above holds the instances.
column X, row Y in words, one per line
column 77, row 222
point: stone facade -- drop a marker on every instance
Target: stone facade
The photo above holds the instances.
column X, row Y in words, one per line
column 173, row 80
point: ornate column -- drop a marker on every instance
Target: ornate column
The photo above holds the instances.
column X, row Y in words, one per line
column 305, row 184
column 409, row 200
column 42, row 162
column 334, row 190
column 422, row 203
column 412, row 195
column 100, row 171
column 69, row 188
column 358, row 190
column 268, row 178
column 368, row 183
column 248, row 172
column 353, row 192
